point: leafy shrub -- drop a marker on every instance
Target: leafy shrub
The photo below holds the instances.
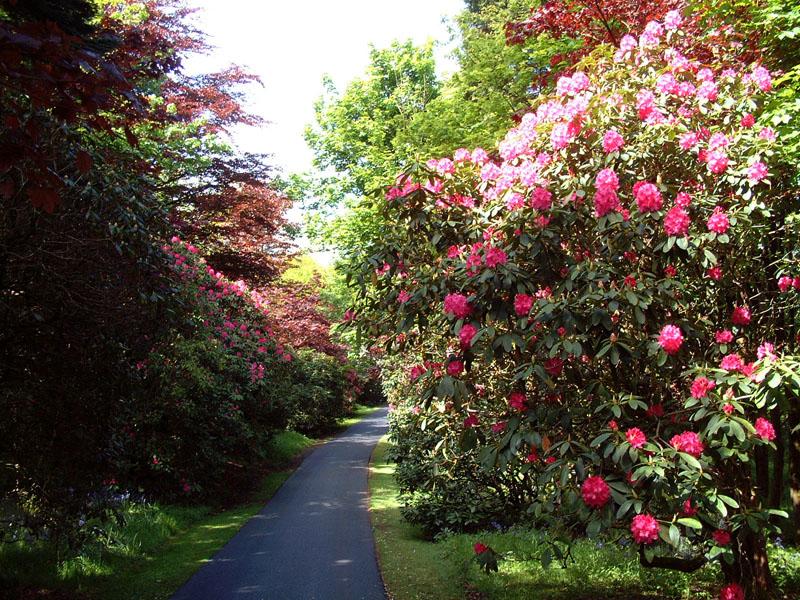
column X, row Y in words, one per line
column 610, row 304
column 319, row 395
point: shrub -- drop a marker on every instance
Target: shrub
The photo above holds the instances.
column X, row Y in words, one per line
column 612, row 301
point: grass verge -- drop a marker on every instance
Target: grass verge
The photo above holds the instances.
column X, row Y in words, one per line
column 414, row 568
column 157, row 549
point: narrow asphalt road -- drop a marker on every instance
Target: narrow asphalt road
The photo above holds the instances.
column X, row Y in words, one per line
column 313, row 540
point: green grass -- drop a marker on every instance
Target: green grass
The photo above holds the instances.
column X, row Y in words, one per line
column 359, row 412
column 154, row 552
column 414, row 568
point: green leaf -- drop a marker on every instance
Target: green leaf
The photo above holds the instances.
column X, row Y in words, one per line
column 690, row 522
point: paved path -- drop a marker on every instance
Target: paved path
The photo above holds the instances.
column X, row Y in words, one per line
column 313, row 540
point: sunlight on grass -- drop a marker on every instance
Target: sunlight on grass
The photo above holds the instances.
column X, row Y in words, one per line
column 413, row 567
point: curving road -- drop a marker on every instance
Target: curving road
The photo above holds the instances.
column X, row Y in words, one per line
column 313, row 540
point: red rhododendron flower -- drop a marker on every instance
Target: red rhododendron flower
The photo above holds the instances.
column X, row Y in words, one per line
column 670, row 271
column 499, row 427
column 466, row 334
column 721, row 537
column 595, row 492
column 670, row 339
column 714, row 273
column 701, row 386
column 635, row 437
column 613, row 425
column 517, row 401
column 732, row 591
column 532, row 456
column 748, row 120
column 727, row 408
column 718, row 221
column 554, row 366
column 480, row 548
column 676, row 222
column 784, row 283
column 471, row 421
column 656, row 410
column 765, row 429
column 455, row 367
column 523, row 304
column 645, row 529
column 740, row 316
column 648, row 197
column 687, row 509
column 688, row 442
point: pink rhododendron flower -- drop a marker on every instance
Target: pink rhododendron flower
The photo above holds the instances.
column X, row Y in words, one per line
column 541, row 199
column 676, row 222
column 522, row 304
column 612, row 141
column 767, row 133
column 732, row 362
column 605, row 201
column 560, row 136
column 645, row 529
column 724, row 336
column 670, row 339
column 648, row 197
column 765, row 429
column 607, row 178
column 495, row 256
column 747, row 120
column 683, row 200
column 416, row 372
column 717, row 162
column 784, row 283
column 490, row 171
column 461, row 155
column 762, row 78
column 707, row 91
column 466, row 334
column 701, row 386
column 479, row 156
column 757, row 171
column 766, row 351
column 672, row 20
column 718, row 221
column 727, row 408
column 721, row 537
column 740, row 316
column 595, row 492
column 403, row 297
column 517, row 401
column 688, row 140
column 635, row 437
column 732, row 591
column 457, row 305
column 688, row 442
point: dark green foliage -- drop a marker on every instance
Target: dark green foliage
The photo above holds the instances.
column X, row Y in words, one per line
column 319, row 395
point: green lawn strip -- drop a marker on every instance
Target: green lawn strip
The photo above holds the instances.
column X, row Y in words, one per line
column 359, row 412
column 413, row 567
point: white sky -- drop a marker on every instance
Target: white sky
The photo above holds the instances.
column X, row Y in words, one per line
column 290, row 44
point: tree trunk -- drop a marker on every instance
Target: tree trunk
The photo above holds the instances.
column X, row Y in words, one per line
column 750, row 566
column 778, row 481
column 794, row 466
column 762, row 472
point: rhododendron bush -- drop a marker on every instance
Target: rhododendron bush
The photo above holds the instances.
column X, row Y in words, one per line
column 621, row 272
